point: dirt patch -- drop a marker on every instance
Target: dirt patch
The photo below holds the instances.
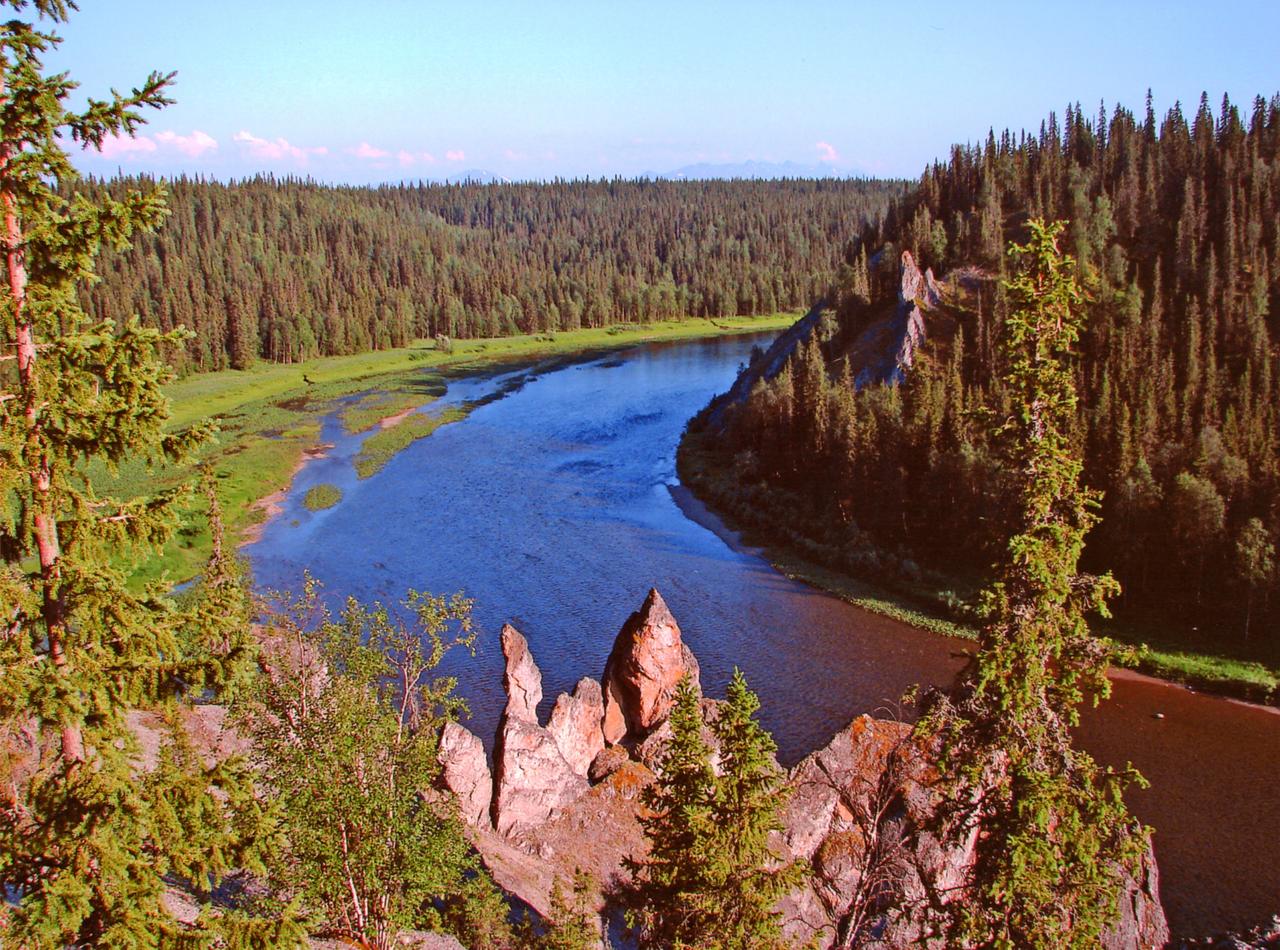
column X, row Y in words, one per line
column 388, row 422
column 271, row 505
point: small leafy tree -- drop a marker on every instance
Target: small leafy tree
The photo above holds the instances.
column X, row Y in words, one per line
column 710, row 879
column 1055, row 837
column 1255, row 563
column 85, row 843
column 345, row 729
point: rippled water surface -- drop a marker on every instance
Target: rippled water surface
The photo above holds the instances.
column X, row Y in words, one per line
column 552, row 507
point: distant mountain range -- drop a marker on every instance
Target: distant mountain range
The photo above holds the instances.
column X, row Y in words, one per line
column 702, row 171
column 751, row 169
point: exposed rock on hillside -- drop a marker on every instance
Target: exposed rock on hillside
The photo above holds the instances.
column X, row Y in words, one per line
column 576, row 725
column 881, row 348
column 860, row 812
column 770, row 364
column 532, row 778
column 521, row 679
column 464, row 768
column 648, row 660
column 887, row 347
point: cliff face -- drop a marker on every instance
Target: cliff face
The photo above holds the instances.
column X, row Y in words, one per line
column 882, row 351
column 859, row 815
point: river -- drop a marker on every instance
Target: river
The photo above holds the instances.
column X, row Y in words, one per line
column 553, row 508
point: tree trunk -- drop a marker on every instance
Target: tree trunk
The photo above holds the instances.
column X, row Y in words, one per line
column 40, row 470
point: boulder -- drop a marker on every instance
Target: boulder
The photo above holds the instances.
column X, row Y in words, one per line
column 521, row 679
column 464, row 770
column 575, row 725
column 607, row 762
column 861, row 816
column 534, row 782
column 647, row 661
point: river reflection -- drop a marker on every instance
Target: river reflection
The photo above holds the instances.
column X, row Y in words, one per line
column 553, row 508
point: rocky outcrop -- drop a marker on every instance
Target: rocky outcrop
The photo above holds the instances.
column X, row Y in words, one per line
column 464, row 770
column 897, row 341
column 648, row 659
column 861, row 815
column 533, row 780
column 521, row 678
column 576, row 725
column 769, row 364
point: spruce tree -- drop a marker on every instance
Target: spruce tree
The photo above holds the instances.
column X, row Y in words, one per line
column 85, row 841
column 710, row 878
column 746, row 878
column 1056, row 838
column 667, row 901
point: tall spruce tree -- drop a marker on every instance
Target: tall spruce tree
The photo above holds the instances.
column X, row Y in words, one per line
column 710, row 879
column 1056, row 837
column 746, row 877
column 667, row 904
column 85, row 842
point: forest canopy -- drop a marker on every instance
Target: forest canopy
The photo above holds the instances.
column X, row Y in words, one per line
column 286, row 270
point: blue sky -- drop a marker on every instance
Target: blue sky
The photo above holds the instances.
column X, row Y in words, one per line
column 392, row 89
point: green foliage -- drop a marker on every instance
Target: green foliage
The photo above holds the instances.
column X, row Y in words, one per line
column 345, row 729
column 710, row 879
column 1177, row 369
column 320, row 497
column 1056, row 838
column 381, row 447
column 574, row 924
column 1255, row 561
column 86, row 842
column 285, row 272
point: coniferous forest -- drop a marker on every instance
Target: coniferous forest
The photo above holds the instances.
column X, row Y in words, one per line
column 1175, row 227
column 286, row 270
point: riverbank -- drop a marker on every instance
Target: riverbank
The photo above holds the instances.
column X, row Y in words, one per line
column 929, row 602
column 269, row 417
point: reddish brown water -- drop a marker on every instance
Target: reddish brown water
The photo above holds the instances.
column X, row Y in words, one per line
column 553, row 508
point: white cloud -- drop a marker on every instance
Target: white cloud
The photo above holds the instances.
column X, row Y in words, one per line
column 407, row 158
column 827, row 152
column 193, row 145
column 455, row 155
column 276, row 149
column 368, row 152
column 512, row 155
column 125, row 146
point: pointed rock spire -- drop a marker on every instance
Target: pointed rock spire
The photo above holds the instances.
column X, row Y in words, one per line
column 648, row 659
column 522, row 679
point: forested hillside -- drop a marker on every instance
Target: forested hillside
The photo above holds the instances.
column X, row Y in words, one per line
column 1175, row 226
column 285, row 270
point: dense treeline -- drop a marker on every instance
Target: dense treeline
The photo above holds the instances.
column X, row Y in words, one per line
column 285, row 270
column 1176, row 230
